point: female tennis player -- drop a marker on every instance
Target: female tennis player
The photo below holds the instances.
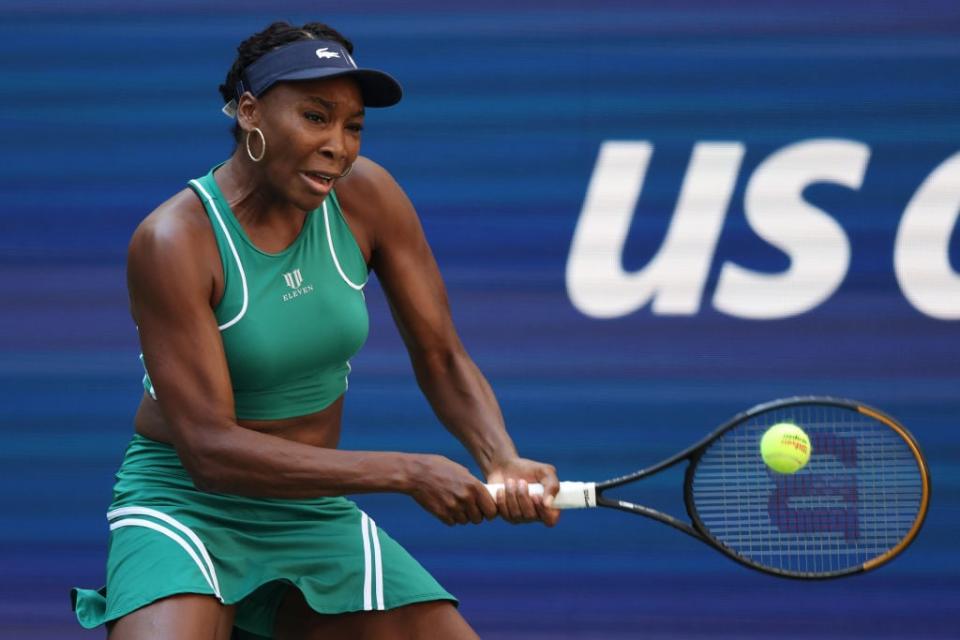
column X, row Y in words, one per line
column 247, row 289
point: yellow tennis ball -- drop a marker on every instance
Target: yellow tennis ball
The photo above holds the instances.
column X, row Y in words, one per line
column 785, row 447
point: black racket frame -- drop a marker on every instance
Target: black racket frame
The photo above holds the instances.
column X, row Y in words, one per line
column 693, row 454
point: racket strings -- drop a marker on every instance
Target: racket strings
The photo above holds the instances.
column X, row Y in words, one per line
column 858, row 497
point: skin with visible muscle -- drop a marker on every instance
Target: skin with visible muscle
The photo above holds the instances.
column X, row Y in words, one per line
column 175, row 281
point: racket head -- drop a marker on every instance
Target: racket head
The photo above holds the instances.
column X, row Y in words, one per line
column 858, row 503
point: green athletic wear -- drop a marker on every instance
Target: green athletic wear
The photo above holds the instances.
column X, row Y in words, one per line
column 289, row 321
column 167, row 537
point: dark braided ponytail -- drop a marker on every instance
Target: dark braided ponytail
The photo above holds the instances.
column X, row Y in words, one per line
column 273, row 37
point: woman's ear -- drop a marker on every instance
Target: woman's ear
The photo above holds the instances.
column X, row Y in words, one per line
column 248, row 111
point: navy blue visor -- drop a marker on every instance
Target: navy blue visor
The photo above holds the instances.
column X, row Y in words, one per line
column 311, row 60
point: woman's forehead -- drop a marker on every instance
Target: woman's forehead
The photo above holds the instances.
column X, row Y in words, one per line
column 342, row 91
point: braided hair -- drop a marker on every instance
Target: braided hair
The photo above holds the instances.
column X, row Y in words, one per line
column 273, row 37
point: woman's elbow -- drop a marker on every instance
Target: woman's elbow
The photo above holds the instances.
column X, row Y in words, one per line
column 202, row 457
column 440, row 362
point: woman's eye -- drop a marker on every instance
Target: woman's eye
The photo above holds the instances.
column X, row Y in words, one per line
column 356, row 128
column 314, row 117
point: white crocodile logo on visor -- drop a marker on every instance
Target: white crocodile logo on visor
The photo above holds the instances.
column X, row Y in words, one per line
column 324, row 53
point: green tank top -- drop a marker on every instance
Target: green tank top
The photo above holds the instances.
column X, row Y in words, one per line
column 289, row 321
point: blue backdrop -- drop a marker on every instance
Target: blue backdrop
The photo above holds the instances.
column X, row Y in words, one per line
column 648, row 218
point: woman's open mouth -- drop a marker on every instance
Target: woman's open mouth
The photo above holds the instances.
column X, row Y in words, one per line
column 319, row 181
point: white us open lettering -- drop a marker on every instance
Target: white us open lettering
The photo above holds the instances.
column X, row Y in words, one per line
column 817, row 246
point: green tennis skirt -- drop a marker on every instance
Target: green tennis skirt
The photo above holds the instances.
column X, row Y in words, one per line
column 167, row 537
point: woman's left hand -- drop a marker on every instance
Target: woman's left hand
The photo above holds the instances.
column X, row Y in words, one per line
column 514, row 503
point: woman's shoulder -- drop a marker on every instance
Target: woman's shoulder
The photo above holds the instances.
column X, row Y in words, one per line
column 177, row 228
column 181, row 213
column 179, row 219
column 370, row 192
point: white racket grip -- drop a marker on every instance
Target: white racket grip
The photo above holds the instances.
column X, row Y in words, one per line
column 572, row 495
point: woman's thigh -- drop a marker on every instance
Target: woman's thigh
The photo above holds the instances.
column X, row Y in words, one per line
column 181, row 617
column 422, row 620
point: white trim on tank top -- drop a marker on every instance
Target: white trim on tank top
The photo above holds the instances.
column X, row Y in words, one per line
column 333, row 252
column 233, row 250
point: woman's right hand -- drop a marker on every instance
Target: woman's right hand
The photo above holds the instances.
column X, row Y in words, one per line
column 450, row 492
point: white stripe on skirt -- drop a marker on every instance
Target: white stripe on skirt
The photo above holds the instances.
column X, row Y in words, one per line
column 159, row 515
column 372, row 566
column 366, row 562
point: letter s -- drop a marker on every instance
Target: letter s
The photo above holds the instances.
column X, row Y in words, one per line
column 818, row 248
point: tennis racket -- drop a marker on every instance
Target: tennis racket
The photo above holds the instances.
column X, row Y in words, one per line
column 858, row 502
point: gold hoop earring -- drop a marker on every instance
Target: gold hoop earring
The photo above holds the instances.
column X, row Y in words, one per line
column 346, row 173
column 263, row 145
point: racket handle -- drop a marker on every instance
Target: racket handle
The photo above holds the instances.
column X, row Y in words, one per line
column 572, row 495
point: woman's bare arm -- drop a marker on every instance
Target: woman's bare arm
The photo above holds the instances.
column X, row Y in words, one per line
column 460, row 395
